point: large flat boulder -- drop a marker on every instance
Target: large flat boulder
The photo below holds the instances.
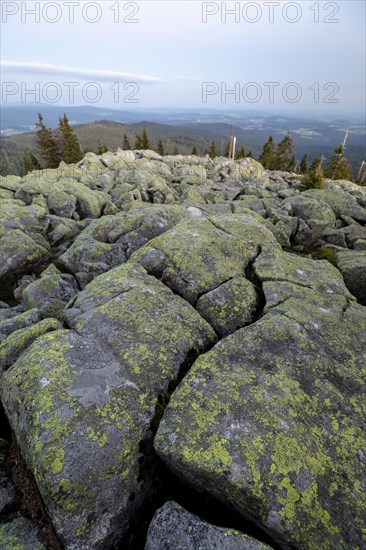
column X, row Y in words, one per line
column 81, row 401
column 271, row 420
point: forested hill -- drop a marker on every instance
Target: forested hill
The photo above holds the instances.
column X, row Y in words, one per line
column 182, row 139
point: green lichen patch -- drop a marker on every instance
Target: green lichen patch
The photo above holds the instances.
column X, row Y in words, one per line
column 19, row 340
column 81, row 401
column 20, row 534
column 20, row 253
column 271, row 421
column 230, row 306
column 199, row 255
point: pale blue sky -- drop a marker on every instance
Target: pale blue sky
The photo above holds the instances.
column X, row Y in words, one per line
column 169, row 52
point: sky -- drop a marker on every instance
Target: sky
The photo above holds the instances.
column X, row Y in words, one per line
column 272, row 56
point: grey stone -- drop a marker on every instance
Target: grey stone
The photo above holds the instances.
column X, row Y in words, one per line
column 174, row 528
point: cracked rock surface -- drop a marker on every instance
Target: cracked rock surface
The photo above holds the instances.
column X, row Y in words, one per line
column 203, row 317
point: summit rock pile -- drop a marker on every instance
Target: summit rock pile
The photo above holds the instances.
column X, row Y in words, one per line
column 180, row 325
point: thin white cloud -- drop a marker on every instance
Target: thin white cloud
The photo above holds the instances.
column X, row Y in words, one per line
column 189, row 78
column 35, row 67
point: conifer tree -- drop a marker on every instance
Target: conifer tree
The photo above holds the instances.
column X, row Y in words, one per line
column 284, row 154
column 303, row 164
column 194, row 151
column 250, row 155
column 101, row 148
column 160, row 148
column 241, row 153
column 339, row 167
column 268, row 155
column 292, row 164
column 47, row 144
column 67, row 142
column 227, row 150
column 30, row 162
column 126, row 144
column 175, row 150
column 69, row 146
column 314, row 177
column 138, row 141
column 145, row 140
column 7, row 167
column 212, row 150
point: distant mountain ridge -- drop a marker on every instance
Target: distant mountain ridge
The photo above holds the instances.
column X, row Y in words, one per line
column 182, row 130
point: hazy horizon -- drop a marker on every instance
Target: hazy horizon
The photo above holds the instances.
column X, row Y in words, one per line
column 272, row 111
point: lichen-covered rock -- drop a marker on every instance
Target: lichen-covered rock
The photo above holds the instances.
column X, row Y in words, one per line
column 110, row 241
column 50, row 293
column 81, row 401
column 20, row 534
column 352, row 265
column 20, row 253
column 52, row 185
column 341, row 202
column 359, row 245
column 8, row 495
column 20, row 340
column 174, row 527
column 308, row 208
column 7, row 312
column 334, row 236
column 245, row 169
column 10, row 182
column 61, row 204
column 197, row 256
column 354, row 232
column 15, row 214
column 61, row 229
column 173, row 253
column 229, row 306
column 21, row 320
column 271, row 420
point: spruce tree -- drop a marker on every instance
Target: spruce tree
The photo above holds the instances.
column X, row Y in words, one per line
column 292, row 164
column 160, row 148
column 212, row 150
column 314, row 177
column 304, row 164
column 268, row 155
column 194, row 151
column 7, row 166
column 139, row 142
column 145, row 140
column 69, row 146
column 250, row 155
column 47, row 145
column 126, row 144
column 101, row 148
column 175, row 150
column 241, row 153
column 227, row 150
column 30, row 162
column 339, row 167
column 284, row 154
